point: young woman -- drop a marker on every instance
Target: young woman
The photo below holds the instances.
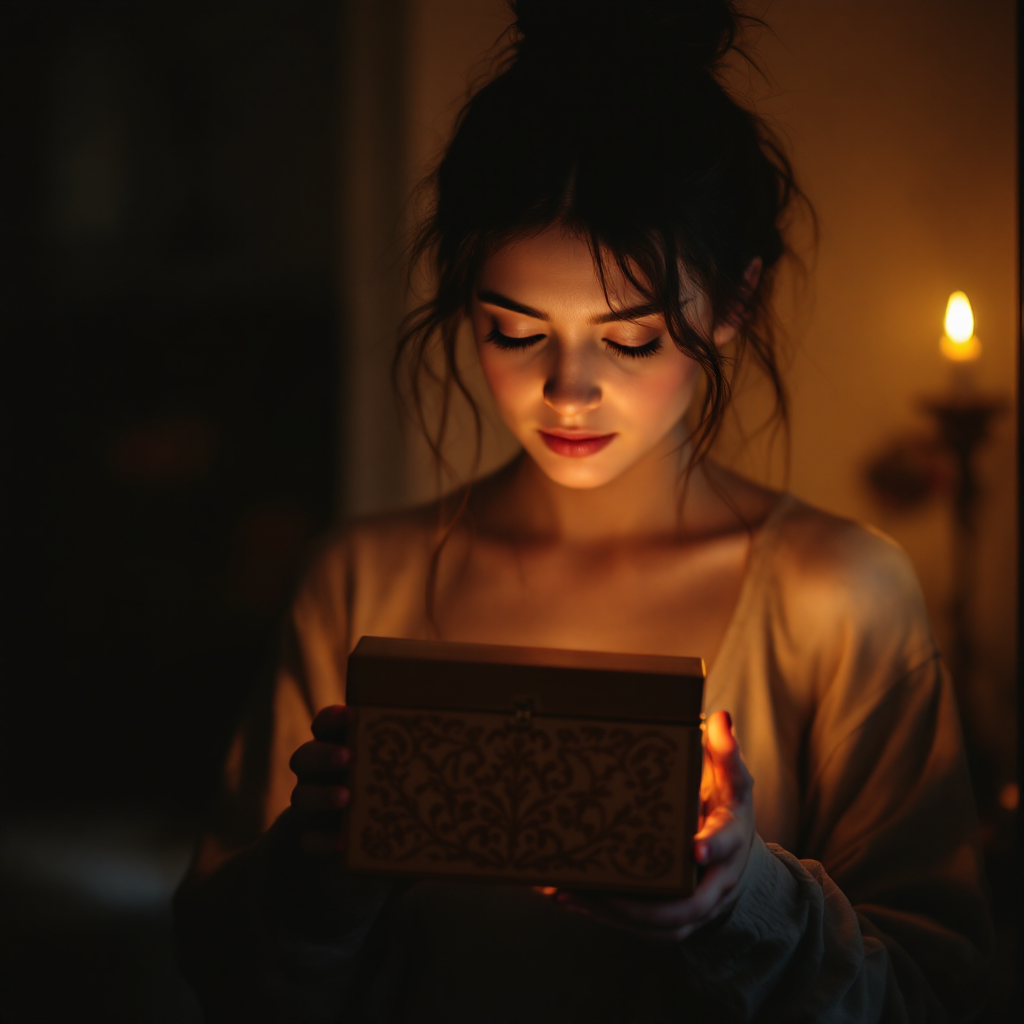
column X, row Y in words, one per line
column 609, row 222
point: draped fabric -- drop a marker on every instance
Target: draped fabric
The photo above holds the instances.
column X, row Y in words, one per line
column 862, row 899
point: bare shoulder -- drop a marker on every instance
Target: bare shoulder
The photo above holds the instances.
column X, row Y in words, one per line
column 396, row 534
column 811, row 548
column 372, row 549
column 822, row 544
column 826, row 565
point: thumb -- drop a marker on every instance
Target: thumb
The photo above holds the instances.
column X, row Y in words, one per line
column 723, row 751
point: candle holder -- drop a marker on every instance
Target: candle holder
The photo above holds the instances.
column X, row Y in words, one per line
column 964, row 423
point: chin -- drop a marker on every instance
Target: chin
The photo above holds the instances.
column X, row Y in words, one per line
column 577, row 474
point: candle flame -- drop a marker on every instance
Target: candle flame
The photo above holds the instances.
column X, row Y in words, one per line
column 959, row 318
column 959, row 342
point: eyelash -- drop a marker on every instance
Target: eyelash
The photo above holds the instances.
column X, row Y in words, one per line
column 652, row 348
column 507, row 344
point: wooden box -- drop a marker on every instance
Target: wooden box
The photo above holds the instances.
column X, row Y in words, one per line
column 521, row 764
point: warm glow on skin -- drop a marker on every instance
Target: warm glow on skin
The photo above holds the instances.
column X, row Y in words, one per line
column 578, row 378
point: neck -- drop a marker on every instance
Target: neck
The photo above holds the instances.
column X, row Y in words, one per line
column 644, row 504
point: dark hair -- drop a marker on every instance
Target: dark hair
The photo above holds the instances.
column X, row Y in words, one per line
column 626, row 138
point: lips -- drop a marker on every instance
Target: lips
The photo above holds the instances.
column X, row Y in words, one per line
column 575, row 445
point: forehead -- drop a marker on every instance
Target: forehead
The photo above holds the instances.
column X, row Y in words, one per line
column 555, row 271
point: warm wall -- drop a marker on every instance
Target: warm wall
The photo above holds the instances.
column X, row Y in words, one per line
column 901, row 122
column 901, row 119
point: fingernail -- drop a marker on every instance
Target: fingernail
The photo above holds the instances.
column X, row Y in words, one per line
column 342, row 797
column 341, row 757
column 700, row 853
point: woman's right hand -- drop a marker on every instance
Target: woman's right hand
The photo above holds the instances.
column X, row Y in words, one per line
column 321, row 793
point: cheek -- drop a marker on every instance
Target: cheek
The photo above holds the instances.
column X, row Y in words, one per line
column 509, row 383
column 663, row 396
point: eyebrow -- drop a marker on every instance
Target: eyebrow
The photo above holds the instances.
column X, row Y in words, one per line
column 630, row 313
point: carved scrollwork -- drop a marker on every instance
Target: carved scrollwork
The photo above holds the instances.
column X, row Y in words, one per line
column 473, row 791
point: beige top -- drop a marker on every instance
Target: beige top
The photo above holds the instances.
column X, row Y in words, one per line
column 862, row 899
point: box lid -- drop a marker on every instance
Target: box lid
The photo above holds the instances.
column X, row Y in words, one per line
column 387, row 672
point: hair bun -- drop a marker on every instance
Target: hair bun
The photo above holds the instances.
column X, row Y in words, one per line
column 693, row 32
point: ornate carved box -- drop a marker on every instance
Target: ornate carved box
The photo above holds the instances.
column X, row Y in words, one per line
column 548, row 767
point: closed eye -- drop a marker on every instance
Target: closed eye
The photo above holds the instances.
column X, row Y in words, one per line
column 503, row 341
column 652, row 348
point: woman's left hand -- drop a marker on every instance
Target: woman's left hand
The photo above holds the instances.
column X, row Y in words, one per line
column 722, row 845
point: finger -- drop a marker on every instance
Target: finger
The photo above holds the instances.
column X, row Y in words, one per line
column 311, row 799
column 733, row 780
column 715, row 894
column 721, row 836
column 315, row 757
column 664, row 916
column 331, row 723
column 598, row 909
column 720, row 740
column 575, row 904
column 707, row 780
column 659, row 914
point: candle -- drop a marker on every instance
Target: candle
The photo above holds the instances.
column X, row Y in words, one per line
column 959, row 342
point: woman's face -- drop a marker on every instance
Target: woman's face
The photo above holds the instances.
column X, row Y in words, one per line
column 589, row 386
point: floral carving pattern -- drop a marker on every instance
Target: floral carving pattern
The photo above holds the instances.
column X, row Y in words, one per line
column 474, row 792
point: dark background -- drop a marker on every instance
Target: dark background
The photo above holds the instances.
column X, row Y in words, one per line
column 170, row 314
column 171, row 304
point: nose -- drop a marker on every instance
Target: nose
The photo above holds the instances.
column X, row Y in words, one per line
column 571, row 387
